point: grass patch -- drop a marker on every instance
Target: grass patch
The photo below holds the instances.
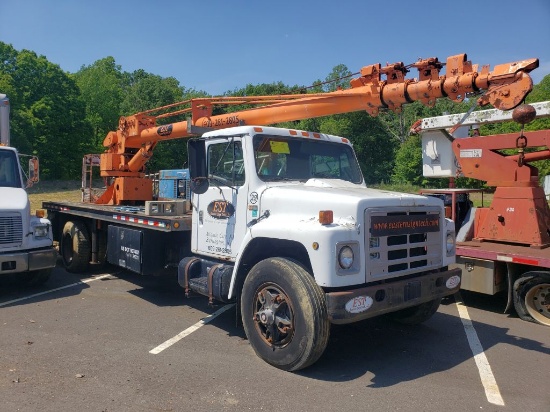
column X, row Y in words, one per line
column 54, row 190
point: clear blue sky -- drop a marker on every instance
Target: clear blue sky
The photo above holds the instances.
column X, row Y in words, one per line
column 217, row 45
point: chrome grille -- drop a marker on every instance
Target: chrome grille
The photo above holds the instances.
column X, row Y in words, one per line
column 401, row 242
column 11, row 230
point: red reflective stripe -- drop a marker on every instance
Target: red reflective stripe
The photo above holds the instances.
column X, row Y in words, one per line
column 138, row 220
column 526, row 261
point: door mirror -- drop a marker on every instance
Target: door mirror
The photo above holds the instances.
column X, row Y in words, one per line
column 196, row 150
column 34, row 171
column 199, row 185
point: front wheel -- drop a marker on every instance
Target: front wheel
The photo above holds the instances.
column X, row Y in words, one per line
column 532, row 297
column 284, row 314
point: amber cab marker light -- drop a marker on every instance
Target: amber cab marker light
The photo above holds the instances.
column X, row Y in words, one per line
column 325, row 217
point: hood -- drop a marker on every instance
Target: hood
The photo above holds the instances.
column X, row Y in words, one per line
column 13, row 199
column 342, row 197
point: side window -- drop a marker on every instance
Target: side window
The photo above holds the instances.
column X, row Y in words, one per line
column 9, row 171
column 225, row 163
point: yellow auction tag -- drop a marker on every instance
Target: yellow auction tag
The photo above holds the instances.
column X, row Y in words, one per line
column 279, row 147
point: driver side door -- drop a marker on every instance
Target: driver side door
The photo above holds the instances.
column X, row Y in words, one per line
column 221, row 223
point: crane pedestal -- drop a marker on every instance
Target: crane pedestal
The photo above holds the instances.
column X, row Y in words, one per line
column 517, row 215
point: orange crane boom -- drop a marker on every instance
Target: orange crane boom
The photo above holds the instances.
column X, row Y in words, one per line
column 129, row 148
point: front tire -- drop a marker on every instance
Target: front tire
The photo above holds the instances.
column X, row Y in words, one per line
column 75, row 247
column 284, row 314
column 532, row 297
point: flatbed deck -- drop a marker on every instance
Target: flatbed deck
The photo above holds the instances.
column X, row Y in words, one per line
column 505, row 252
column 130, row 215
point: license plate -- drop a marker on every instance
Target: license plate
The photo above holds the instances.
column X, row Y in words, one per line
column 412, row 290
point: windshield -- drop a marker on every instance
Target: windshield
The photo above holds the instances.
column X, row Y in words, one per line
column 282, row 158
column 9, row 170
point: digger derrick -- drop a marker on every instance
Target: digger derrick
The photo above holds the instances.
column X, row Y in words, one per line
column 519, row 213
column 517, row 193
column 130, row 147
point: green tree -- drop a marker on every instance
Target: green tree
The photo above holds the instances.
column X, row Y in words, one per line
column 102, row 89
column 145, row 91
column 408, row 162
column 338, row 79
column 47, row 114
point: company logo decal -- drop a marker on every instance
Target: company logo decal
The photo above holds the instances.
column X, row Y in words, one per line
column 359, row 304
column 221, row 209
column 452, row 282
column 165, row 130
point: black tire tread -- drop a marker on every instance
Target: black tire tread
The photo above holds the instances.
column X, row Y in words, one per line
column 521, row 286
column 307, row 289
column 81, row 246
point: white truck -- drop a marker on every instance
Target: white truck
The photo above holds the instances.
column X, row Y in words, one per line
column 26, row 241
column 282, row 221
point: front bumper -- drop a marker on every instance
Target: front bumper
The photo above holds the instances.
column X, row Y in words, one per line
column 370, row 301
column 27, row 261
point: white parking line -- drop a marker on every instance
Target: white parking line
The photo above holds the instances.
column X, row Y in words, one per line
column 190, row 330
column 53, row 290
column 485, row 373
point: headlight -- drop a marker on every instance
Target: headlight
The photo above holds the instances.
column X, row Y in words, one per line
column 450, row 243
column 345, row 257
column 41, row 231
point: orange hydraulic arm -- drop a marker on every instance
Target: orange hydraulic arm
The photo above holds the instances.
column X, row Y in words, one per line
column 131, row 146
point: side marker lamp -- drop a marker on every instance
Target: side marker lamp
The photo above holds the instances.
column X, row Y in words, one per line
column 326, row 217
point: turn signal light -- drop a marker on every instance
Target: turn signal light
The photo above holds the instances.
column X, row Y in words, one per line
column 40, row 213
column 326, row 217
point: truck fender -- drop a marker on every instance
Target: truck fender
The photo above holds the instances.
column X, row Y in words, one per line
column 246, row 240
column 256, row 248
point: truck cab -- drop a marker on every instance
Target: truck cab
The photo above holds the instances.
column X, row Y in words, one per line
column 26, row 241
column 273, row 204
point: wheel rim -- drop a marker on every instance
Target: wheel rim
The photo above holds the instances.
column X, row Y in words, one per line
column 273, row 315
column 537, row 303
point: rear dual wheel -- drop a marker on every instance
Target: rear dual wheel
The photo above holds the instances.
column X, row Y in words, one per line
column 532, row 297
column 75, row 247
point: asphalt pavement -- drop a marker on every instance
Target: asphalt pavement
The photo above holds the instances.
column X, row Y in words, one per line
column 115, row 341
